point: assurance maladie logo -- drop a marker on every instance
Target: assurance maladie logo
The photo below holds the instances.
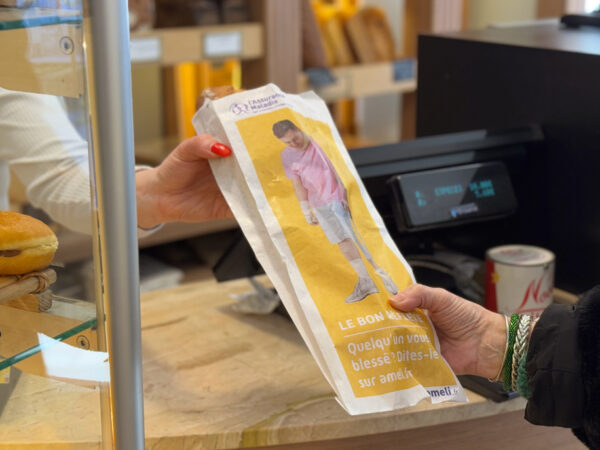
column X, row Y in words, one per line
column 259, row 104
column 239, row 108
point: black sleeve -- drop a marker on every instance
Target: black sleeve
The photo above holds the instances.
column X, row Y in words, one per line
column 554, row 370
column 589, row 346
column 563, row 365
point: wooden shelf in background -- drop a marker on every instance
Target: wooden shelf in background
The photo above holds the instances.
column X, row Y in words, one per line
column 352, row 141
column 360, row 80
column 187, row 44
column 48, row 59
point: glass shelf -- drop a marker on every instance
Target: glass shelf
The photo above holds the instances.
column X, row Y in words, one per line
column 26, row 332
column 16, row 18
column 15, row 359
column 44, row 48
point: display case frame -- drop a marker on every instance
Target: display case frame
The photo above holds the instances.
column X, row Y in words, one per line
column 95, row 37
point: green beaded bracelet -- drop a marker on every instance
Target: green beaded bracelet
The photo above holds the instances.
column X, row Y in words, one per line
column 512, row 334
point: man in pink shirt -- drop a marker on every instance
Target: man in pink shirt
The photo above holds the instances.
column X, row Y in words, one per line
column 324, row 201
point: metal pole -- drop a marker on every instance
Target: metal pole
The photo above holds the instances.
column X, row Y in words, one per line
column 115, row 185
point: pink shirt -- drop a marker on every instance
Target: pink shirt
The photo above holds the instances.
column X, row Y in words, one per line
column 316, row 173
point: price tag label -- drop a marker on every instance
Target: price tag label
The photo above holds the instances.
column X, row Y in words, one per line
column 404, row 69
column 222, row 44
column 320, row 77
column 145, row 49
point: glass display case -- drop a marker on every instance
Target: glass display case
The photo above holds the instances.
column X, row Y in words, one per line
column 70, row 355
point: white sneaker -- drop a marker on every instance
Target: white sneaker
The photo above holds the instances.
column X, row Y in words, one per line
column 363, row 288
column 390, row 286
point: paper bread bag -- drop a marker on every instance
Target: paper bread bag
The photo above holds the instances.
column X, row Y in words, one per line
column 304, row 210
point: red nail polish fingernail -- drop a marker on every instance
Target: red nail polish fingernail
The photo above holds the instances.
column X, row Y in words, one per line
column 220, row 149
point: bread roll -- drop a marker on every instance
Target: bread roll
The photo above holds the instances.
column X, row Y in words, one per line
column 26, row 244
column 214, row 93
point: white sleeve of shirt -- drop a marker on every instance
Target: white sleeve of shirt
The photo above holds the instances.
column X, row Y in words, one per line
column 40, row 144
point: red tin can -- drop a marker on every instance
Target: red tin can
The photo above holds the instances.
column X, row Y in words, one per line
column 519, row 279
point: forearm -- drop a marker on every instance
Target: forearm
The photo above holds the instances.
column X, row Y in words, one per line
column 59, row 183
column 147, row 206
column 46, row 153
column 491, row 352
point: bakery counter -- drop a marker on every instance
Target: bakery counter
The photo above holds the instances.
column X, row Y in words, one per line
column 217, row 379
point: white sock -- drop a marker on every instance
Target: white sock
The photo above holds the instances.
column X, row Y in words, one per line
column 360, row 268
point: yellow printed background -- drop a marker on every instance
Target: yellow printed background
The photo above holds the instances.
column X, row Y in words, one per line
column 326, row 272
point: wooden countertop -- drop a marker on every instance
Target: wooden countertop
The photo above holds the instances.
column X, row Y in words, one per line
column 216, row 379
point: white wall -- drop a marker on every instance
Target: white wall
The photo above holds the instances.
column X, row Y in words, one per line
column 591, row 5
column 483, row 13
column 379, row 117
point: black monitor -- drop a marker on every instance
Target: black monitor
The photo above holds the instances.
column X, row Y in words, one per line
column 546, row 74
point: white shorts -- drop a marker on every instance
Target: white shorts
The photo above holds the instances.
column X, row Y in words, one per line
column 335, row 221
